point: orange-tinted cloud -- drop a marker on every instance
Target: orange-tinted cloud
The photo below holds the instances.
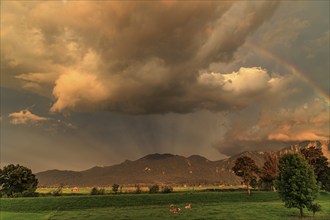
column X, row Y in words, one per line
column 26, row 117
column 309, row 121
column 79, row 91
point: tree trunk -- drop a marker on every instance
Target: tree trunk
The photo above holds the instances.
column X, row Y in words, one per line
column 272, row 188
column 248, row 189
column 301, row 212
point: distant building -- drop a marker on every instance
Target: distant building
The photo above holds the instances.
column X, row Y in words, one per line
column 75, row 189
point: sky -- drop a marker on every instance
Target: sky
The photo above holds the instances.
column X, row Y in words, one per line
column 88, row 83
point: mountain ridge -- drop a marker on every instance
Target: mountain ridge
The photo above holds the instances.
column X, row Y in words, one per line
column 165, row 169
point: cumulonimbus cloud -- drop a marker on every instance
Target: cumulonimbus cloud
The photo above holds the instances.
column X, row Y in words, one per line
column 136, row 58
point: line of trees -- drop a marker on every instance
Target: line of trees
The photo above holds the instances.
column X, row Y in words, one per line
column 117, row 189
column 296, row 177
column 246, row 168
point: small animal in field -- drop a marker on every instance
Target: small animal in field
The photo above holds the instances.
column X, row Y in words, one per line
column 188, row 206
column 174, row 209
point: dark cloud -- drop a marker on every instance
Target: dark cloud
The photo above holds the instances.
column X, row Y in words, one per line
column 83, row 140
column 136, row 58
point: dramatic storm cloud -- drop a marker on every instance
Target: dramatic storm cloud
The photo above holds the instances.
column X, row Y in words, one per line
column 126, row 57
column 116, row 80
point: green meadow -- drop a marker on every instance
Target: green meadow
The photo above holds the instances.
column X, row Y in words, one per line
column 205, row 205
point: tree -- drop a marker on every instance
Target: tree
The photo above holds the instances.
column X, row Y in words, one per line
column 17, row 180
column 319, row 162
column 115, row 188
column 296, row 183
column 246, row 168
column 269, row 171
column 324, row 178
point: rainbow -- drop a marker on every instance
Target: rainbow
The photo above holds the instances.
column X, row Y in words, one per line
column 292, row 68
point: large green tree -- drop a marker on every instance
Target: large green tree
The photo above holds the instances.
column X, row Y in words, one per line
column 246, row 168
column 319, row 162
column 269, row 171
column 17, row 180
column 296, row 183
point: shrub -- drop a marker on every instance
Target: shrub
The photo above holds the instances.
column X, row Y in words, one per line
column 314, row 208
column 167, row 189
column 96, row 191
column 154, row 189
column 30, row 194
column 57, row 192
column 22, row 194
column 254, row 183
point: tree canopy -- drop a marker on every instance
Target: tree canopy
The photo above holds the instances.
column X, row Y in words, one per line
column 246, row 168
column 319, row 162
column 17, row 180
column 269, row 171
column 296, row 183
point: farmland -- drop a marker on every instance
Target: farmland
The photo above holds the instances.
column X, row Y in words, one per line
column 205, row 205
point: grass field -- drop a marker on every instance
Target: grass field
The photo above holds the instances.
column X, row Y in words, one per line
column 205, row 205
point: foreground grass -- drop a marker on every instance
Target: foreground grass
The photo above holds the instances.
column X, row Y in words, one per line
column 206, row 205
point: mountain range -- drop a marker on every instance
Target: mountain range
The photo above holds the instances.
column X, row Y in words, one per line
column 166, row 169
